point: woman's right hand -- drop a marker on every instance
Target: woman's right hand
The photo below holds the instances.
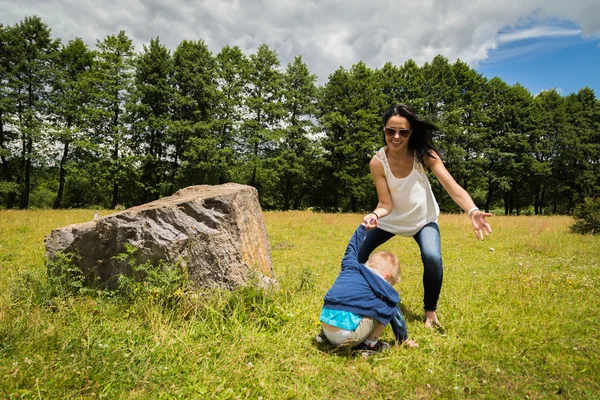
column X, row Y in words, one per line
column 370, row 221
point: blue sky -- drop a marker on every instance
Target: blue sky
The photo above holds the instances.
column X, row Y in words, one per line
column 556, row 57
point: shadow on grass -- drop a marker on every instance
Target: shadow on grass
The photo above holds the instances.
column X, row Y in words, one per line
column 331, row 350
column 410, row 315
column 326, row 347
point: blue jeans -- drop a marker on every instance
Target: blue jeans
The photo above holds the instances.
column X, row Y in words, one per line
column 428, row 239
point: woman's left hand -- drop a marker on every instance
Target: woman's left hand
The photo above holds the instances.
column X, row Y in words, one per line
column 480, row 225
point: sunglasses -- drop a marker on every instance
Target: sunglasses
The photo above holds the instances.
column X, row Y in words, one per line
column 391, row 132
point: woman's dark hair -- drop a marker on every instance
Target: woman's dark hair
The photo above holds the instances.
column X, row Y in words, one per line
column 421, row 139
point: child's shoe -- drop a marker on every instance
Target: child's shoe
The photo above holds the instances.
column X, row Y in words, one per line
column 320, row 338
column 367, row 350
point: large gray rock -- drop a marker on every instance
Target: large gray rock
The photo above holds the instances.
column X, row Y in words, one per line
column 217, row 231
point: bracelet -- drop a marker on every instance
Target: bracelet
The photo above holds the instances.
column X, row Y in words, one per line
column 373, row 212
column 472, row 210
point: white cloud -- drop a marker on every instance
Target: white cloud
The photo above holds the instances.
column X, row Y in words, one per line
column 327, row 33
column 536, row 33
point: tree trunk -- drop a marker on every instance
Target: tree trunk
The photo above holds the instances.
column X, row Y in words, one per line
column 254, row 168
column 115, row 127
column 26, row 189
column 115, row 195
column 175, row 164
column 4, row 169
column 488, row 199
column 27, row 154
column 12, row 196
column 297, row 203
column 542, row 199
column 253, row 177
column 61, row 178
column 287, row 194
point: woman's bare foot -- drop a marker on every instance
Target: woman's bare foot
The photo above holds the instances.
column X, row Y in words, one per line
column 431, row 320
column 410, row 343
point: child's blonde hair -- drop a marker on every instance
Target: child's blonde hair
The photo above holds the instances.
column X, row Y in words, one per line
column 385, row 262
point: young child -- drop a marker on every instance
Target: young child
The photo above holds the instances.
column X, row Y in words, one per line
column 362, row 300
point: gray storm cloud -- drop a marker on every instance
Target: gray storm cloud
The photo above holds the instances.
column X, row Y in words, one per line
column 328, row 34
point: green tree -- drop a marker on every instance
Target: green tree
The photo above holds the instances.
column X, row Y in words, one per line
column 494, row 151
column 113, row 71
column 465, row 157
column 214, row 156
column 392, row 84
column 440, row 106
column 518, row 112
column 350, row 106
column 194, row 81
column 7, row 111
column 261, row 131
column 33, row 50
column 549, row 120
column 296, row 151
column 440, row 90
column 461, row 123
column 576, row 161
column 233, row 68
column 412, row 80
column 70, row 101
column 149, row 111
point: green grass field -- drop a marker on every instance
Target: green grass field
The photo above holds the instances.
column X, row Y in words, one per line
column 520, row 311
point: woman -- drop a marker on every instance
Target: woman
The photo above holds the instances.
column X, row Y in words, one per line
column 406, row 204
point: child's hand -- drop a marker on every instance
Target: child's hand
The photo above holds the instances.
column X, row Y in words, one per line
column 370, row 221
column 410, row 343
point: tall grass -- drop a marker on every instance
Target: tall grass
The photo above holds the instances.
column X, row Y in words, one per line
column 520, row 312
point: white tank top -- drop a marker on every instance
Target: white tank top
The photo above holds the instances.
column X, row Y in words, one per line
column 414, row 205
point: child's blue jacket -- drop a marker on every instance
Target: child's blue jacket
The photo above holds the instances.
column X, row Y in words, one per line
column 359, row 290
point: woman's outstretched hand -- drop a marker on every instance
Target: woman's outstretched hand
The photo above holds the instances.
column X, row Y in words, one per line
column 480, row 225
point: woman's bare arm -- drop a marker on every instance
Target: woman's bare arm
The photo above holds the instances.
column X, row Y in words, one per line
column 385, row 204
column 460, row 196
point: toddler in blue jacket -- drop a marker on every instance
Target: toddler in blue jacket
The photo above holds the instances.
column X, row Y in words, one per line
column 362, row 300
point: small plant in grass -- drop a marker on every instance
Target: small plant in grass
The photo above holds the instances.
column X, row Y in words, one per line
column 31, row 288
column 254, row 305
column 64, row 277
column 248, row 307
column 164, row 283
column 306, row 279
column 61, row 279
column 587, row 217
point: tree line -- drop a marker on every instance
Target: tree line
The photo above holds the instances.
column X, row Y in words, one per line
column 104, row 127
